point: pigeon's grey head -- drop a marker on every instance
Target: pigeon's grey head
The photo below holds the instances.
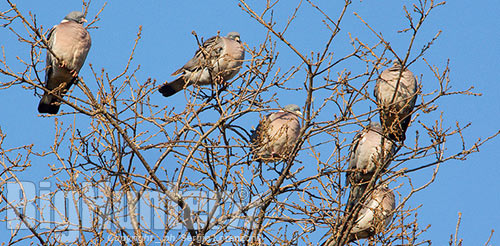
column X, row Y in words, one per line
column 375, row 126
column 292, row 108
column 384, row 187
column 234, row 36
column 76, row 16
column 396, row 65
column 396, row 62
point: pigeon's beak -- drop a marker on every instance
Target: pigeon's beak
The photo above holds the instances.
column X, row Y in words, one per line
column 84, row 20
column 237, row 39
column 298, row 112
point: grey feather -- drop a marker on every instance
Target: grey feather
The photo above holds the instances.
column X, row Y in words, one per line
column 396, row 107
column 70, row 42
column 276, row 134
column 218, row 60
column 370, row 150
column 373, row 218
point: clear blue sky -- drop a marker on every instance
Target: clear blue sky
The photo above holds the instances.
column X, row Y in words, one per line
column 470, row 40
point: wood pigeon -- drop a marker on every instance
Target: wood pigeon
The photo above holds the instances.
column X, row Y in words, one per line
column 373, row 218
column 369, row 150
column 218, row 60
column 70, row 42
column 276, row 134
column 396, row 108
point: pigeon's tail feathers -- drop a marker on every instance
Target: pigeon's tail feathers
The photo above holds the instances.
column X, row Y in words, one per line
column 396, row 126
column 168, row 89
column 355, row 195
column 48, row 105
column 403, row 126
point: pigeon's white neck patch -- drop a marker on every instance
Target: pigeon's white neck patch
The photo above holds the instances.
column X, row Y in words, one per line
column 64, row 21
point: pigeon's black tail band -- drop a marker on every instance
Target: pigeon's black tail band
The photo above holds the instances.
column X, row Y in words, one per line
column 355, row 195
column 168, row 89
column 48, row 105
column 396, row 130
